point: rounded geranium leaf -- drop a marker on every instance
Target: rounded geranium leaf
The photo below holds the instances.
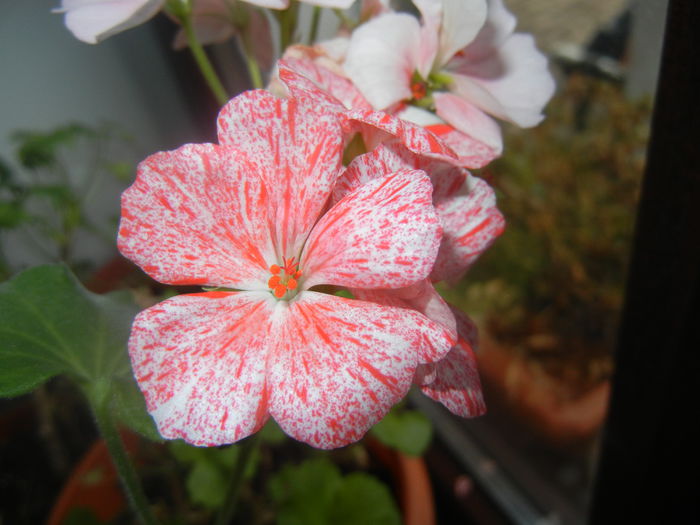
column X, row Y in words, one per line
column 199, row 215
column 383, row 235
column 200, row 361
column 339, row 365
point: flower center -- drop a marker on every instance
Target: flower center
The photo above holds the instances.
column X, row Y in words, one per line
column 284, row 278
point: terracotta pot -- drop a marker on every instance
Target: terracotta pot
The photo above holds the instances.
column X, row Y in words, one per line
column 542, row 402
column 94, row 485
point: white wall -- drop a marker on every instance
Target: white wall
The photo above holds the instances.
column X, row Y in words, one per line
column 48, row 78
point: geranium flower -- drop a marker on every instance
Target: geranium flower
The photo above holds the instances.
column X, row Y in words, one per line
column 93, row 21
column 463, row 62
column 251, row 217
column 471, row 222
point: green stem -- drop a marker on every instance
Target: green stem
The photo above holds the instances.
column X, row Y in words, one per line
column 251, row 63
column 344, row 19
column 123, row 465
column 247, row 449
column 288, row 22
column 315, row 19
column 203, row 62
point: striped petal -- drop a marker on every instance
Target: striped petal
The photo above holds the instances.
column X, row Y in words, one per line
column 471, row 222
column 200, row 362
column 454, row 380
column 385, row 234
column 339, row 365
column 198, row 215
column 296, row 151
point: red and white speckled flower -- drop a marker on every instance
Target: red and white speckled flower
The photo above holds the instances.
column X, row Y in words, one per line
column 252, row 215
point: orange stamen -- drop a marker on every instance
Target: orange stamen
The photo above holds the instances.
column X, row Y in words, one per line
column 419, row 90
column 279, row 291
column 274, row 281
column 291, row 284
column 274, row 269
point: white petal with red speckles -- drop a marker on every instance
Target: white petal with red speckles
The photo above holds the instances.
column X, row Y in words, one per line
column 454, row 380
column 200, row 361
column 339, row 365
column 304, row 78
column 385, row 234
column 198, row 215
column 296, row 151
column 421, row 297
column 378, row 127
column 471, row 223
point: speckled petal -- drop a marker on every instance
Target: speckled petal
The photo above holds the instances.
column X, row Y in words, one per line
column 318, row 84
column 198, row 215
column 340, row 365
column 421, row 297
column 471, row 223
column 454, row 380
column 296, row 151
column 200, row 361
column 385, row 234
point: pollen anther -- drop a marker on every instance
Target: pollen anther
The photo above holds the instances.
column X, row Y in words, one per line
column 280, row 283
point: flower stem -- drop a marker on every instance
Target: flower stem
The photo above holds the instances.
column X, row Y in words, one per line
column 315, row 19
column 203, row 62
column 250, row 61
column 245, row 455
column 123, row 465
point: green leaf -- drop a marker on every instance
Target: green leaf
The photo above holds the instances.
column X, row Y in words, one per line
column 49, row 324
column 364, row 499
column 38, row 149
column 406, row 430
column 130, row 407
column 206, row 485
column 315, row 493
column 304, row 493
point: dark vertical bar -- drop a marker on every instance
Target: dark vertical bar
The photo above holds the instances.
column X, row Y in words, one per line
column 649, row 468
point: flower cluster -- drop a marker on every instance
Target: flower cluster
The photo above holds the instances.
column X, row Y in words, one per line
column 320, row 220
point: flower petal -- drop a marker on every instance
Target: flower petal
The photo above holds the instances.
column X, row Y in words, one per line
column 454, row 380
column 468, row 119
column 500, row 24
column 382, row 56
column 318, row 84
column 271, row 4
column 200, row 361
column 92, row 21
column 421, row 297
column 296, row 151
column 383, row 235
column 341, row 364
column 471, row 222
column 198, row 215
column 377, row 127
column 466, row 205
column 512, row 83
column 456, row 21
column 471, row 153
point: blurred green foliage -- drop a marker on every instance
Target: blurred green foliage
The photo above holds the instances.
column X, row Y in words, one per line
column 552, row 285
